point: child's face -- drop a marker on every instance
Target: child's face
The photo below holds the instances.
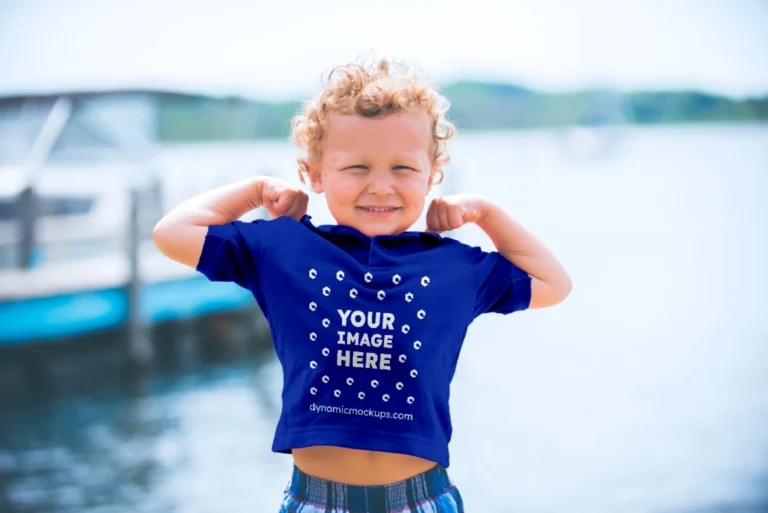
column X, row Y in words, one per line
column 375, row 172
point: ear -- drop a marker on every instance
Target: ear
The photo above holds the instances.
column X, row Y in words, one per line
column 435, row 178
column 315, row 177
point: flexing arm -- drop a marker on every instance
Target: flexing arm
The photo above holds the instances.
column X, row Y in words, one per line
column 181, row 233
column 550, row 283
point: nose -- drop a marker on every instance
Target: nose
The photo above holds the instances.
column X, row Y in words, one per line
column 380, row 184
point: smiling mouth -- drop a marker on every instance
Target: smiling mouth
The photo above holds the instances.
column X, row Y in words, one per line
column 379, row 210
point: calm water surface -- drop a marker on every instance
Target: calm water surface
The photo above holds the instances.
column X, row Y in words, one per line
column 646, row 391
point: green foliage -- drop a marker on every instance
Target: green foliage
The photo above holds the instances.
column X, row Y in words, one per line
column 475, row 106
column 196, row 118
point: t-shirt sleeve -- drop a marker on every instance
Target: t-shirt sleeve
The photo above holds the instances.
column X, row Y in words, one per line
column 231, row 252
column 500, row 286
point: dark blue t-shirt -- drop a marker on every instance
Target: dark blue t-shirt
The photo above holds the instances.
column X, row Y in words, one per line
column 368, row 330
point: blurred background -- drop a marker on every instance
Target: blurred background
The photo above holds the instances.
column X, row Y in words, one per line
column 630, row 136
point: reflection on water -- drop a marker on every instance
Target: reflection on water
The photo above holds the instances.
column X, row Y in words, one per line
column 174, row 439
column 644, row 392
column 144, row 452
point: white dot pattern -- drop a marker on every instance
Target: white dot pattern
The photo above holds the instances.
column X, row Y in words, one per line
column 380, row 294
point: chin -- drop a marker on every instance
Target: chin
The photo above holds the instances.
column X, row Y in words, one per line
column 373, row 227
column 372, row 231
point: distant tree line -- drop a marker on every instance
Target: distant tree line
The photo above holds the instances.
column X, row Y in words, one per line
column 475, row 106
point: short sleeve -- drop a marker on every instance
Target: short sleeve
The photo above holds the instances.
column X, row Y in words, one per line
column 231, row 252
column 500, row 286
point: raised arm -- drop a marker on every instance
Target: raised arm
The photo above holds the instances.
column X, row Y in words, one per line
column 550, row 283
column 180, row 234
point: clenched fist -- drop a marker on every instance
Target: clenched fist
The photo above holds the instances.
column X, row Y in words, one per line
column 454, row 211
column 280, row 199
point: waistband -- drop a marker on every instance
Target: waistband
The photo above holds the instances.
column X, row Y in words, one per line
column 406, row 494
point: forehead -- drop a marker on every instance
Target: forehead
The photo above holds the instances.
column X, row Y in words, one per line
column 393, row 134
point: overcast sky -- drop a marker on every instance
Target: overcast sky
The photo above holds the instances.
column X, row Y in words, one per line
column 279, row 48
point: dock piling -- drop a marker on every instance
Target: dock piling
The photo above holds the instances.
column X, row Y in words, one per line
column 27, row 208
column 140, row 347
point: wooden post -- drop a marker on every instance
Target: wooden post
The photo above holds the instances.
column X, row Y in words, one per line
column 27, row 201
column 27, row 208
column 140, row 347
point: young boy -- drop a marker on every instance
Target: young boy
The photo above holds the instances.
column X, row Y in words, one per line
column 367, row 317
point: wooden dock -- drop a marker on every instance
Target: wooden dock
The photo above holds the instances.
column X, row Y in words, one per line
column 87, row 295
column 77, row 258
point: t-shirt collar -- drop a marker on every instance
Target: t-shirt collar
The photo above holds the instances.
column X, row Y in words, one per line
column 342, row 231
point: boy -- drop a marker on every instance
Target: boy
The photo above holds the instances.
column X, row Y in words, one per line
column 367, row 317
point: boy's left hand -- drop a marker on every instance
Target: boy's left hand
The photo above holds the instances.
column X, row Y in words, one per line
column 454, row 211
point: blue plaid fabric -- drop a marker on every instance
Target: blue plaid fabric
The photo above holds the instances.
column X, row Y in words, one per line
column 429, row 492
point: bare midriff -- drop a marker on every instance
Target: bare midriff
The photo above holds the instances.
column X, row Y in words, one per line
column 357, row 467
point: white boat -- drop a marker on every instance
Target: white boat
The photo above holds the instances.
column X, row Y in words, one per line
column 81, row 154
column 85, row 261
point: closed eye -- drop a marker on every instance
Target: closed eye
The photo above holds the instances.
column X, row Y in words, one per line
column 365, row 168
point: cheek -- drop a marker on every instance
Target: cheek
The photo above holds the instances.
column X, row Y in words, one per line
column 338, row 189
column 418, row 202
column 417, row 188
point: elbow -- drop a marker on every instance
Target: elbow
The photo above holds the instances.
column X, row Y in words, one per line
column 549, row 293
column 160, row 235
column 179, row 240
column 563, row 289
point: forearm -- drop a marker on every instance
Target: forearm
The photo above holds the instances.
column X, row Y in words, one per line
column 218, row 206
column 522, row 248
column 181, row 233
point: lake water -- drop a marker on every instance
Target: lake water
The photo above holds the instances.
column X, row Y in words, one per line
column 645, row 392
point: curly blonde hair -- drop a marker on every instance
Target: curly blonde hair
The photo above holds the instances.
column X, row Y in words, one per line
column 386, row 87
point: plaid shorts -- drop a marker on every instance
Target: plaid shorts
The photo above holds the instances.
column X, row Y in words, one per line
column 431, row 491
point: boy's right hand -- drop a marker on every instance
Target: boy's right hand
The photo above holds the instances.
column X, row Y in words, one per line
column 280, row 199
